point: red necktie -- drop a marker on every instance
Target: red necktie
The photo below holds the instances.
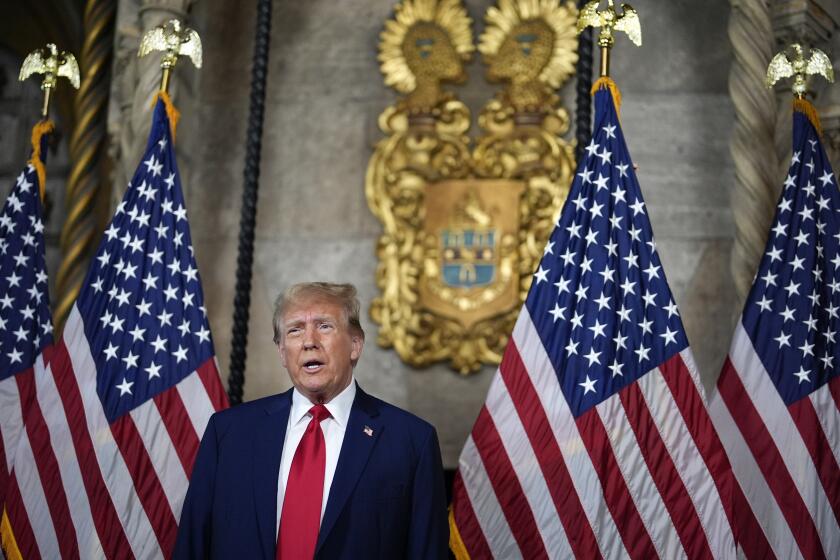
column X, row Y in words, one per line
column 301, row 515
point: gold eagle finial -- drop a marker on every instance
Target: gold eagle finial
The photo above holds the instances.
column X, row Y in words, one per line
column 174, row 40
column 609, row 20
column 783, row 66
column 52, row 64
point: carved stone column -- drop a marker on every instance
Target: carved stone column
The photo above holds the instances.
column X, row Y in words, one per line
column 135, row 82
column 830, row 118
column 753, row 143
column 829, row 106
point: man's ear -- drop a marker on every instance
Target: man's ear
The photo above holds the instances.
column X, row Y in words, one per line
column 357, row 343
column 282, row 349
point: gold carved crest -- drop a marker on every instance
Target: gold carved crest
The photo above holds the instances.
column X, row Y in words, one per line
column 465, row 220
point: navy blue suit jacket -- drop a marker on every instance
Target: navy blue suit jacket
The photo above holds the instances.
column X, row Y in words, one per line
column 387, row 499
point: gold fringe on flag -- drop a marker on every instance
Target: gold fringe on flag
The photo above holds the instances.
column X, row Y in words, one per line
column 806, row 108
column 607, row 82
column 10, row 547
column 456, row 544
column 38, row 131
column 171, row 111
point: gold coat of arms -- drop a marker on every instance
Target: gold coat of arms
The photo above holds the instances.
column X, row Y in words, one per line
column 465, row 220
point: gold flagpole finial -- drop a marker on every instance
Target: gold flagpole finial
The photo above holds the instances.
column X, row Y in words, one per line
column 52, row 64
column 608, row 20
column 175, row 40
column 784, row 66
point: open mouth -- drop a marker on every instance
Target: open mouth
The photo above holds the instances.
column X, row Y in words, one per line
column 312, row 365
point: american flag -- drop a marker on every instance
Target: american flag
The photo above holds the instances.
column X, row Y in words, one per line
column 25, row 320
column 594, row 440
column 129, row 388
column 778, row 396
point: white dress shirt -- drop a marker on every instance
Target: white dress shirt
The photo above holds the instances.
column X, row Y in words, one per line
column 333, row 429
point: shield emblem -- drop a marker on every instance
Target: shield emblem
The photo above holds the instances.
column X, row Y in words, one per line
column 468, row 257
column 471, row 253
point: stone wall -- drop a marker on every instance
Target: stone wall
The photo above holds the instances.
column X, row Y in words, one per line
column 324, row 96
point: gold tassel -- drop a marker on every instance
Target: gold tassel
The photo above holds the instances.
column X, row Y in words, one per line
column 456, row 545
column 171, row 111
column 38, row 131
column 806, row 108
column 607, row 82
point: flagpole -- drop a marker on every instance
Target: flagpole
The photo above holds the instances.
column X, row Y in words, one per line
column 605, row 59
column 45, row 107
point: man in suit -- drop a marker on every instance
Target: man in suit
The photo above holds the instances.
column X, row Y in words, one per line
column 323, row 470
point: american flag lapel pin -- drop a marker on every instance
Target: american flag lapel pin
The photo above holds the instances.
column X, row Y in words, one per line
column 368, row 431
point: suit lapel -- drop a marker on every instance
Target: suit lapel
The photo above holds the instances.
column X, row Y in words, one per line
column 268, row 449
column 363, row 430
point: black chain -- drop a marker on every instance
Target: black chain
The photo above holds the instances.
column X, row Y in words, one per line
column 248, row 217
column 583, row 110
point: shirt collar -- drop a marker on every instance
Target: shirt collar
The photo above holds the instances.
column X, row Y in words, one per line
column 339, row 406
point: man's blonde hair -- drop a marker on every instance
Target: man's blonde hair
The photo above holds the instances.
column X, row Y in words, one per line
column 342, row 294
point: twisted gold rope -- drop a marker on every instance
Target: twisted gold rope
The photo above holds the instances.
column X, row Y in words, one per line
column 87, row 147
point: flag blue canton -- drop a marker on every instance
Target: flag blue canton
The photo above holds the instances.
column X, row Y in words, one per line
column 599, row 298
column 142, row 303
column 25, row 320
column 792, row 311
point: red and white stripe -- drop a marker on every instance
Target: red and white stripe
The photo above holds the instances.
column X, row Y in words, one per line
column 87, row 488
column 11, row 425
column 641, row 475
column 785, row 458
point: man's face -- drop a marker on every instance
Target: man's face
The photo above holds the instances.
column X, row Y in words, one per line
column 318, row 349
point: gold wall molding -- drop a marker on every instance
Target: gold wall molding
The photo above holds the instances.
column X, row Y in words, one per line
column 465, row 220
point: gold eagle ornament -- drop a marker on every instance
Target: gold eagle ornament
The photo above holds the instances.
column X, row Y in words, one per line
column 52, row 64
column 175, row 40
column 608, row 19
column 783, row 66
